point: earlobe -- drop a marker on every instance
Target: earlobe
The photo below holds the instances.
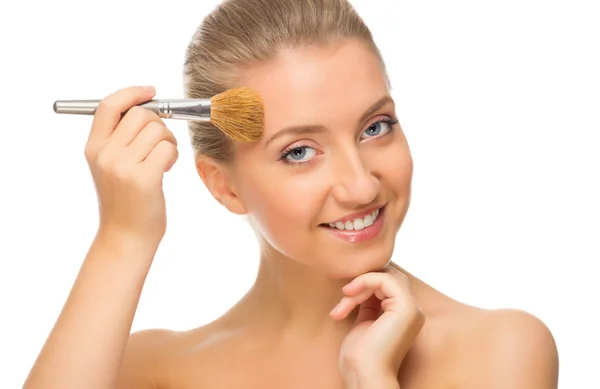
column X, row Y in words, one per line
column 217, row 179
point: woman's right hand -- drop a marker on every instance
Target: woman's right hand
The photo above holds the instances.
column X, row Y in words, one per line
column 128, row 156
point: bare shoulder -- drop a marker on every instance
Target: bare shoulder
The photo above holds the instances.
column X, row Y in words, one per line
column 142, row 360
column 160, row 358
column 151, row 355
column 510, row 349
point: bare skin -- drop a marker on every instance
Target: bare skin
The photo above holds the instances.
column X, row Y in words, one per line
column 451, row 351
column 324, row 312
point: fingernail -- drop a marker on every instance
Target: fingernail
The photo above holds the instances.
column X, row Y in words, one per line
column 149, row 89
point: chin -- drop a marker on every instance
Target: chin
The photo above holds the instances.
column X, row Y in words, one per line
column 359, row 262
column 350, row 262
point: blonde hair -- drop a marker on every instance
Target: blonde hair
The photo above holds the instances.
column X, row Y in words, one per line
column 239, row 33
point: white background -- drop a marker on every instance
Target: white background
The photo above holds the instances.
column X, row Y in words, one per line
column 500, row 103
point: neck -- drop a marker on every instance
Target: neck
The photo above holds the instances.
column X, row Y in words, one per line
column 294, row 298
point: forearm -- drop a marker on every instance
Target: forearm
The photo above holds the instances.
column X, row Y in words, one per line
column 86, row 345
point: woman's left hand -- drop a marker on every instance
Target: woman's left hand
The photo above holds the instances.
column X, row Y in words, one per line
column 388, row 321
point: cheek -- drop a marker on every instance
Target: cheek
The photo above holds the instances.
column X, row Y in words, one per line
column 284, row 207
column 399, row 169
column 392, row 164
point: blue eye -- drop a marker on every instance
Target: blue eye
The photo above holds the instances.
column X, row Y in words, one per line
column 301, row 154
column 379, row 128
column 298, row 154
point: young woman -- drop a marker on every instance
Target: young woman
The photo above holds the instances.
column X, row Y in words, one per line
column 326, row 189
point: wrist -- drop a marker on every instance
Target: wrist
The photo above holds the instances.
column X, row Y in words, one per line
column 126, row 238
column 370, row 380
column 125, row 246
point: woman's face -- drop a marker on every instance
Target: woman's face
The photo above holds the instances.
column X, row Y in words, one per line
column 329, row 183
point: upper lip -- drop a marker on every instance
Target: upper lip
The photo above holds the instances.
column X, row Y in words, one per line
column 358, row 215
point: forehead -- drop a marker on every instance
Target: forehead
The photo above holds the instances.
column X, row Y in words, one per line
column 318, row 84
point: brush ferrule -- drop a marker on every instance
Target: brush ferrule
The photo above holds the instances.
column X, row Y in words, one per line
column 186, row 109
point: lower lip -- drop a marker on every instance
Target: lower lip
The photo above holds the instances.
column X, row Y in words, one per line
column 364, row 235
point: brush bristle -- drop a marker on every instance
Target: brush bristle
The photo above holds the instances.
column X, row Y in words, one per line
column 238, row 112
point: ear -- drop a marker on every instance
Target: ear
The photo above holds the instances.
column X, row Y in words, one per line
column 217, row 178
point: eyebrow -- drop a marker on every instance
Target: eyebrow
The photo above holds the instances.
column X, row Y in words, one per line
column 316, row 129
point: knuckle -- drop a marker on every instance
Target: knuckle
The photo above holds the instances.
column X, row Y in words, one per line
column 137, row 112
column 157, row 126
column 106, row 105
column 122, row 173
column 89, row 152
column 169, row 149
column 172, row 137
column 154, row 117
column 104, row 162
column 387, row 277
column 160, row 132
column 154, row 131
column 174, row 154
column 145, row 115
column 165, row 146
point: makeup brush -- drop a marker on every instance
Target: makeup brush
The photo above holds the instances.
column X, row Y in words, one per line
column 238, row 112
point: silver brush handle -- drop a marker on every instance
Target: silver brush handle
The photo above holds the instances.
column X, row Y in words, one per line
column 184, row 109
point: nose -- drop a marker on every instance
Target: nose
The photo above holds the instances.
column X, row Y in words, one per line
column 355, row 183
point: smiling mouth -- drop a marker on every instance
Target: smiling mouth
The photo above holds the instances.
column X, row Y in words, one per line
column 355, row 224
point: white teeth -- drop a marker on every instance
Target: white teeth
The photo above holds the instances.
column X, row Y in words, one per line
column 359, row 224
column 356, row 224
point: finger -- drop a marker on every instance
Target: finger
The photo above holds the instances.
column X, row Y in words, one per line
column 162, row 157
column 388, row 285
column 152, row 134
column 387, row 288
column 348, row 303
column 369, row 310
column 109, row 111
column 134, row 121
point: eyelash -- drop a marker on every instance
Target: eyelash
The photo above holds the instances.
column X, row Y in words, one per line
column 285, row 153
